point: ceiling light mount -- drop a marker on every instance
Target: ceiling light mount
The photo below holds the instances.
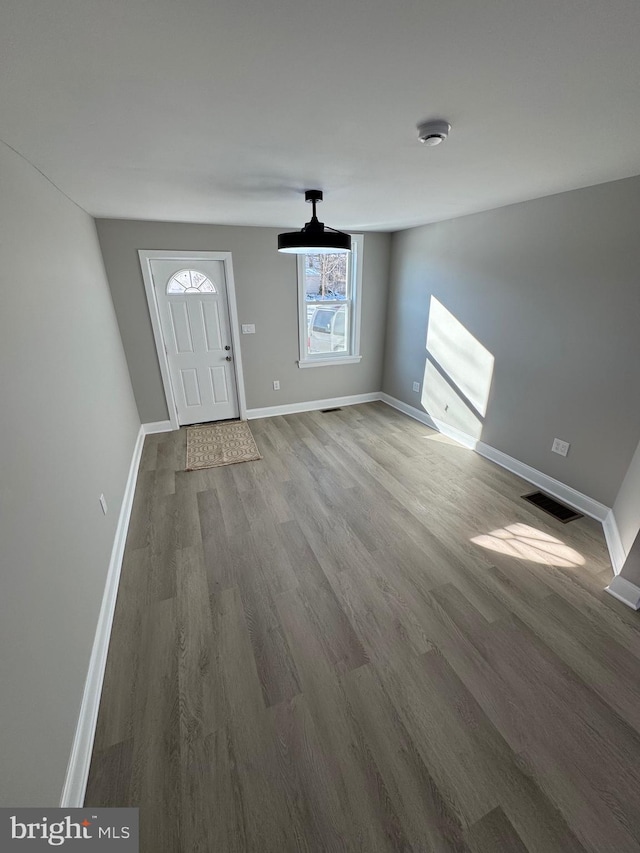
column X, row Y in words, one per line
column 313, row 197
column 433, row 132
column 314, row 238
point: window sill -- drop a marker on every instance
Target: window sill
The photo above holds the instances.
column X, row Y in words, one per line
column 329, row 362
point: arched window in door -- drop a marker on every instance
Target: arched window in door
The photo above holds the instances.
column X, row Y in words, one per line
column 190, row 281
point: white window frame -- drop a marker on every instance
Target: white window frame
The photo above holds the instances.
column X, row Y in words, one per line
column 329, row 359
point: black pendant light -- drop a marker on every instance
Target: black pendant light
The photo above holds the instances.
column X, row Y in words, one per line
column 314, row 238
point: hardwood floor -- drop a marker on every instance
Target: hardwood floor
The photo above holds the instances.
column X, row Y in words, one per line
column 365, row 642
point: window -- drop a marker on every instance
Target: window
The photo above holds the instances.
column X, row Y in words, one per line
column 190, row 281
column 329, row 306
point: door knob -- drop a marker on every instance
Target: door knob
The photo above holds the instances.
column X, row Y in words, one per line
column 227, row 347
column 228, row 358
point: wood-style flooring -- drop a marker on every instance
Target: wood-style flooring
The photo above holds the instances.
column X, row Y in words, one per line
column 365, row 642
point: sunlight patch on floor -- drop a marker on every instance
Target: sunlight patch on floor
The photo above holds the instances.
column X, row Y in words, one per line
column 529, row 543
column 444, row 439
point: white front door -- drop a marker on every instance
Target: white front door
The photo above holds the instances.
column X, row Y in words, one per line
column 194, row 317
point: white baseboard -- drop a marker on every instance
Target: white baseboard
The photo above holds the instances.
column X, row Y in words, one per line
column 614, row 542
column 566, row 494
column 75, row 783
column 433, row 423
column 625, row 591
column 416, row 414
column 311, row 405
column 157, row 426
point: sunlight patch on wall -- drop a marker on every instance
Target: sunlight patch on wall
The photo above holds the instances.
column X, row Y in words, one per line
column 528, row 543
column 463, row 358
column 445, row 405
column 457, row 375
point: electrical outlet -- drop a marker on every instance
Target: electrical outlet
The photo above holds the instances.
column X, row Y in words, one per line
column 103, row 504
column 561, row 447
column 276, row 384
column 248, row 328
column 416, row 386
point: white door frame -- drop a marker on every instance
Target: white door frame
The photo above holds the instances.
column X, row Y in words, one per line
column 146, row 257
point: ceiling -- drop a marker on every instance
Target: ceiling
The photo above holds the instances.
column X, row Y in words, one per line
column 224, row 111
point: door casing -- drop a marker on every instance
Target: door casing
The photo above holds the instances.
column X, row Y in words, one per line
column 145, row 257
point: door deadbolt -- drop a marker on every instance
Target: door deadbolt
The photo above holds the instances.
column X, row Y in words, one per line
column 227, row 347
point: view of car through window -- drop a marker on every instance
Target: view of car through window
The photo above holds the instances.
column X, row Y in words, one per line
column 327, row 329
column 326, row 280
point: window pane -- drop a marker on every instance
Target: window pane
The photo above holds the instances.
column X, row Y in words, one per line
column 197, row 278
column 326, row 277
column 327, row 329
column 328, row 306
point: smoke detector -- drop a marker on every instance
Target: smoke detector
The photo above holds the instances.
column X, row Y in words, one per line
column 433, row 132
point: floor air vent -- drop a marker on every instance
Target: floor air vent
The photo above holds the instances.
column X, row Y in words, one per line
column 324, row 411
column 553, row 507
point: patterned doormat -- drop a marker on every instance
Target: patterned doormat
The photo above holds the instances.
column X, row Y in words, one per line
column 225, row 443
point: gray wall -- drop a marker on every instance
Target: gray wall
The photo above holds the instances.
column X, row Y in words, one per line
column 551, row 288
column 68, row 425
column 266, row 293
column 631, row 569
column 626, row 508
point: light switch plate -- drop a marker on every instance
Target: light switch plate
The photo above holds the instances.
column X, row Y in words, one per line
column 248, row 328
